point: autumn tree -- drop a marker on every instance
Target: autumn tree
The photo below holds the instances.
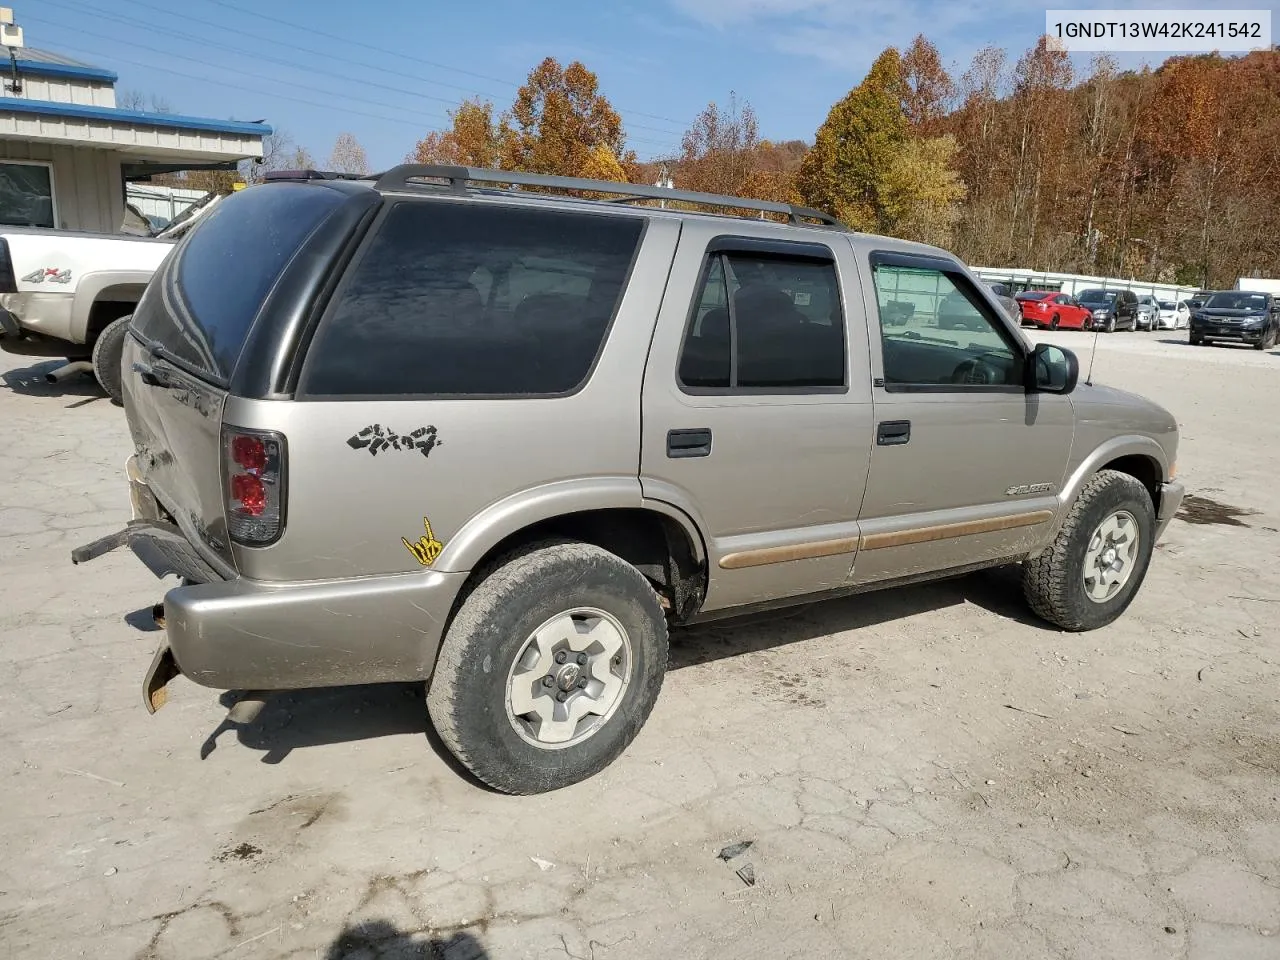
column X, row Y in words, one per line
column 856, row 146
column 559, row 123
column 718, row 151
column 1040, row 82
column 921, row 191
column 472, row 140
column 348, row 156
column 928, row 88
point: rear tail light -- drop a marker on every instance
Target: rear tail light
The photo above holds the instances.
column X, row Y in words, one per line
column 254, row 467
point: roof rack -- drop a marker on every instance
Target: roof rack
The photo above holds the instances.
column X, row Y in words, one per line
column 458, row 178
column 312, row 175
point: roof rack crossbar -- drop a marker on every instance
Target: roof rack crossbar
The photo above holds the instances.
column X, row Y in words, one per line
column 398, row 178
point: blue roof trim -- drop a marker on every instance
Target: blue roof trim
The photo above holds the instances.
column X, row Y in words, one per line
column 112, row 115
column 38, row 68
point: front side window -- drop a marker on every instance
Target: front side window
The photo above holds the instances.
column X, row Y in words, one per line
column 949, row 341
column 474, row 299
column 765, row 322
column 26, row 195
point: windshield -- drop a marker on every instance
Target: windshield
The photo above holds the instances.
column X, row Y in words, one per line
column 1232, row 300
column 1098, row 296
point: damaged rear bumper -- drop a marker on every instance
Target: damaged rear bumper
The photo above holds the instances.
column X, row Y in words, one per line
column 239, row 634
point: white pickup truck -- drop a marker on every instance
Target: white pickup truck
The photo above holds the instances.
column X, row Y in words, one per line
column 69, row 294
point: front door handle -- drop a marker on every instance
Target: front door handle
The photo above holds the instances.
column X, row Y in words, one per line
column 892, row 433
column 694, row 442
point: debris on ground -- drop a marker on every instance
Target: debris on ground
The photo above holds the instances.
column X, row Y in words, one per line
column 543, row 865
column 747, row 874
column 735, row 850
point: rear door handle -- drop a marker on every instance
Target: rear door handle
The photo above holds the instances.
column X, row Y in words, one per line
column 892, row 433
column 695, row 442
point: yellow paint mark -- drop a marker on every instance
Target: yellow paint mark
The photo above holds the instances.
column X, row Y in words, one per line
column 427, row 548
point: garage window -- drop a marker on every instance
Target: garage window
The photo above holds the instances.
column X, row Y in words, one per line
column 26, row 194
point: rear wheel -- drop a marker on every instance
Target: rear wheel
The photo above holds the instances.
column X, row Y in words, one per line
column 108, row 354
column 1088, row 576
column 550, row 668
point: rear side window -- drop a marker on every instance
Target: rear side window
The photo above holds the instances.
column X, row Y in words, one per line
column 471, row 299
column 765, row 323
column 223, row 271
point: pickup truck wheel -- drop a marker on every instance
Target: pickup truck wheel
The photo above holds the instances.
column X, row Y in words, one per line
column 550, row 668
column 1090, row 572
column 108, row 351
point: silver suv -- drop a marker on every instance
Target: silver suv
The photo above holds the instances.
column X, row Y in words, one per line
column 437, row 426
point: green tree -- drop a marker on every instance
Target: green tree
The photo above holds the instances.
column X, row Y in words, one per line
column 856, row 147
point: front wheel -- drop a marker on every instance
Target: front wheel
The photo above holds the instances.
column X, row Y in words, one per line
column 107, row 355
column 1053, row 324
column 1111, row 325
column 1089, row 574
column 550, row 668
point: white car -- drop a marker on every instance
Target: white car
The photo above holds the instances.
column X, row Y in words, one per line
column 1173, row 316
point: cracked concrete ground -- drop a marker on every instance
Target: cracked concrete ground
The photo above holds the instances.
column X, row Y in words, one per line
column 931, row 773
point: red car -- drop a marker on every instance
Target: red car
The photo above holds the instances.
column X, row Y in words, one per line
column 1050, row 310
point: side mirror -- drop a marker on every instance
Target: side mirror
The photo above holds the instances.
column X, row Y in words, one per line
column 1052, row 369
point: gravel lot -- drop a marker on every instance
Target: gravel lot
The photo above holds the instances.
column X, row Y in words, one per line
column 932, row 773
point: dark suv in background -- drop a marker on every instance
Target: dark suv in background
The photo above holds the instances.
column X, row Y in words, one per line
column 1112, row 309
column 1237, row 316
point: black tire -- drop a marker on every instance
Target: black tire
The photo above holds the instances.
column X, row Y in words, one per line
column 1111, row 325
column 1053, row 324
column 1053, row 582
column 1195, row 341
column 468, row 697
column 108, row 352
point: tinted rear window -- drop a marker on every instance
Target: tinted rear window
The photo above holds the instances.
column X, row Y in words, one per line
column 224, row 270
column 470, row 299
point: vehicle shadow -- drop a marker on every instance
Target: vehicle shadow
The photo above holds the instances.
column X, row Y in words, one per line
column 998, row 590
column 298, row 719
column 384, row 941
column 30, row 381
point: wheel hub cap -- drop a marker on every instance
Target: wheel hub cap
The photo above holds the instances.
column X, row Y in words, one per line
column 569, row 678
column 1111, row 556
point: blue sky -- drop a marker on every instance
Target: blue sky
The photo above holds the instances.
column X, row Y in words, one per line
column 403, row 64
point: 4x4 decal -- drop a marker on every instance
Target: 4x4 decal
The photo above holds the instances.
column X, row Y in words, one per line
column 376, row 437
column 52, row 274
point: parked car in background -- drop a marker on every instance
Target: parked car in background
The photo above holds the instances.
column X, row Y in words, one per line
column 1051, row 311
column 1148, row 311
column 1237, row 316
column 1173, row 315
column 578, row 384
column 1010, row 305
column 1112, row 309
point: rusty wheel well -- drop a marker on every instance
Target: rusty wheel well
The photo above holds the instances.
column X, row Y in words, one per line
column 655, row 544
column 1142, row 468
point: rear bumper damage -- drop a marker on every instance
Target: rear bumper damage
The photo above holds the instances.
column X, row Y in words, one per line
column 239, row 634
column 235, row 633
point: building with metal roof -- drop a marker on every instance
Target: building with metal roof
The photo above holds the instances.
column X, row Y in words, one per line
column 67, row 150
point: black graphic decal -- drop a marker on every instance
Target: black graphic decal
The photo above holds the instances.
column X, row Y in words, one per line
column 376, row 438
